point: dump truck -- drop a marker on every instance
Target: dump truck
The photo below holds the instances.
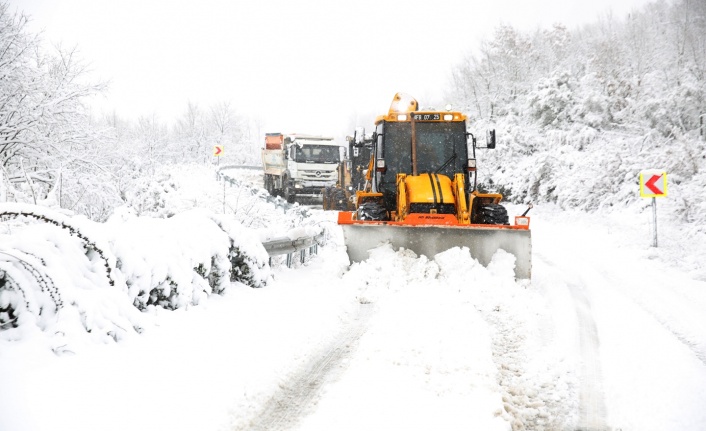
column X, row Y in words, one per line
column 299, row 166
column 351, row 173
column 422, row 192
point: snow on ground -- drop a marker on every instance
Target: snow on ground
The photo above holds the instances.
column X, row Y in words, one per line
column 609, row 334
column 646, row 348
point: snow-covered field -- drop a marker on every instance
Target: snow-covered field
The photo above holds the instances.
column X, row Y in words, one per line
column 609, row 334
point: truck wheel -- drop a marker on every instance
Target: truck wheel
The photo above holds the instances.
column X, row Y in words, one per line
column 372, row 211
column 325, row 198
column 288, row 195
column 491, row 214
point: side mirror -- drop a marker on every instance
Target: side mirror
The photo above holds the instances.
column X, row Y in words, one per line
column 359, row 135
column 490, row 139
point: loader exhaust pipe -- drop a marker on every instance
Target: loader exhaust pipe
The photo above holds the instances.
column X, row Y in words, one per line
column 414, row 145
column 529, row 207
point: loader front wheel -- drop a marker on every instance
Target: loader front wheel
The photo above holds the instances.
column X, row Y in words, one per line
column 491, row 214
column 340, row 202
column 372, row 211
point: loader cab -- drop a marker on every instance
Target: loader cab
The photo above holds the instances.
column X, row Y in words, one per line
column 441, row 147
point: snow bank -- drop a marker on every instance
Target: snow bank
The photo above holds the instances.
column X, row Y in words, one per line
column 51, row 281
column 65, row 275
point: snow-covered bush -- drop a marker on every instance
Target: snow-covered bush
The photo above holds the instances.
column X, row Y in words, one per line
column 248, row 258
column 178, row 261
column 52, row 279
column 66, row 274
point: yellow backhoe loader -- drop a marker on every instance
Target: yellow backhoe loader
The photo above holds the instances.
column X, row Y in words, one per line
column 420, row 192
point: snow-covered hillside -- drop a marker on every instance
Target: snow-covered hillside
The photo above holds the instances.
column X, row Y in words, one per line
column 609, row 333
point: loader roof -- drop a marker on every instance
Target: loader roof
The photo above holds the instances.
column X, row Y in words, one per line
column 422, row 116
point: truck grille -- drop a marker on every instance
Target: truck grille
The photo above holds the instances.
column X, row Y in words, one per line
column 320, row 175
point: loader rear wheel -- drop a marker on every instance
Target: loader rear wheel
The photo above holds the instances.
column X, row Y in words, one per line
column 372, row 211
column 491, row 214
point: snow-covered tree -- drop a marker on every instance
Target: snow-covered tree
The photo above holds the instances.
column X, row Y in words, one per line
column 594, row 105
column 45, row 132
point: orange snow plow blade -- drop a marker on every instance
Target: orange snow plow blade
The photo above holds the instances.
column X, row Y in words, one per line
column 430, row 234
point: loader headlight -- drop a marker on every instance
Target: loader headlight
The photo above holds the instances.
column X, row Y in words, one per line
column 380, row 165
column 402, row 117
column 471, row 164
column 448, row 117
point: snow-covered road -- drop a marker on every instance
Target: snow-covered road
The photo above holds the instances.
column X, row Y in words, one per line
column 642, row 325
column 609, row 334
column 606, row 336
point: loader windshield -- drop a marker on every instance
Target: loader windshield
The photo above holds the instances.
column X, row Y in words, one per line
column 437, row 143
column 317, row 154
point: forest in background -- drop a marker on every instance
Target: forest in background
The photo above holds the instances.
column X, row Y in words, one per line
column 579, row 113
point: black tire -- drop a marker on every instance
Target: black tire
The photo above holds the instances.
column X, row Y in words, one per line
column 269, row 186
column 372, row 211
column 326, row 198
column 491, row 214
column 338, row 199
column 288, row 195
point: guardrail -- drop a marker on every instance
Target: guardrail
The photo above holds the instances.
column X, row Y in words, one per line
column 251, row 167
column 289, row 246
column 281, row 245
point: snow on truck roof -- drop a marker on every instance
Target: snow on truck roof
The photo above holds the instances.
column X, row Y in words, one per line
column 300, row 136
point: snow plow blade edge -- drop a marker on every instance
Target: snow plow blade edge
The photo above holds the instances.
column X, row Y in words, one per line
column 430, row 240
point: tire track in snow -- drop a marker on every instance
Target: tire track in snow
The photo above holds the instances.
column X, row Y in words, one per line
column 300, row 392
column 592, row 406
column 531, row 400
column 663, row 316
column 592, row 409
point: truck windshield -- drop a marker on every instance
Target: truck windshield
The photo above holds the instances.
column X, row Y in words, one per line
column 317, row 154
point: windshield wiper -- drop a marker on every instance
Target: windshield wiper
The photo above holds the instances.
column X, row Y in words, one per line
column 446, row 163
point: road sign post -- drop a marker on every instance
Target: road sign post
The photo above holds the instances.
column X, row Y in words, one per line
column 217, row 153
column 653, row 184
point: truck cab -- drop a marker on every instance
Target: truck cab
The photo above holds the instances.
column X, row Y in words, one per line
column 299, row 166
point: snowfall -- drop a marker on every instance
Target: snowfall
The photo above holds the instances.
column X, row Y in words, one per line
column 609, row 333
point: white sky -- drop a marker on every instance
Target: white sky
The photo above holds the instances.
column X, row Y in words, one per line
column 307, row 66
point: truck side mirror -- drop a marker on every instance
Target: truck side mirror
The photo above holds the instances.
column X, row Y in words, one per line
column 359, row 135
column 490, row 139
